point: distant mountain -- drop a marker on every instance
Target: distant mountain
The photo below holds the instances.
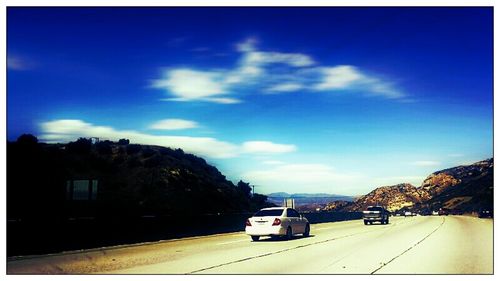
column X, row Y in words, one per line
column 464, row 188
column 316, row 199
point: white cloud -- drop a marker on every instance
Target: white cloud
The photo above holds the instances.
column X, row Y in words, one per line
column 253, row 63
column 339, row 77
column 271, row 72
column 67, row 130
column 174, row 124
column 285, row 87
column 426, row 163
column 189, row 85
column 70, row 130
column 267, row 147
column 294, row 177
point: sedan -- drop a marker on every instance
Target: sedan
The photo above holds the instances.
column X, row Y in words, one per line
column 278, row 221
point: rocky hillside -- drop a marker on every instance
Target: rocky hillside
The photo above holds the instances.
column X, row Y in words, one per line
column 464, row 188
column 394, row 197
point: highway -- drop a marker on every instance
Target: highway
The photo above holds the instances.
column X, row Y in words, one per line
column 407, row 245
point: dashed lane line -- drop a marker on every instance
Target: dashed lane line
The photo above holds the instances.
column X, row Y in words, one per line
column 413, row 246
column 231, row 242
column 281, row 251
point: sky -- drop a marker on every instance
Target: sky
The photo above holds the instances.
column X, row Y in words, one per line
column 297, row 100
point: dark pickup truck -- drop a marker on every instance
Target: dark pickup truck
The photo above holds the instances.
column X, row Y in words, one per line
column 375, row 213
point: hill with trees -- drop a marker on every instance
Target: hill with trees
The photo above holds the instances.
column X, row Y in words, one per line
column 122, row 179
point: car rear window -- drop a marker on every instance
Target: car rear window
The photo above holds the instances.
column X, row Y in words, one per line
column 269, row 213
column 375, row 209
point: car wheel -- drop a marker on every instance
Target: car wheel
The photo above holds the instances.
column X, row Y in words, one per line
column 289, row 233
column 255, row 238
column 366, row 223
column 307, row 231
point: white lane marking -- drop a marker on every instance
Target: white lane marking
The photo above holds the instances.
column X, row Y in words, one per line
column 231, row 242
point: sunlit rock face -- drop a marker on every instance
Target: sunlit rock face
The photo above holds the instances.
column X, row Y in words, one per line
column 466, row 187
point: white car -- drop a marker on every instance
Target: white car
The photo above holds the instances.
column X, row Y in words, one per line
column 277, row 221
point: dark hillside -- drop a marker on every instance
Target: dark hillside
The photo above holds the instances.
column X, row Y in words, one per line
column 106, row 178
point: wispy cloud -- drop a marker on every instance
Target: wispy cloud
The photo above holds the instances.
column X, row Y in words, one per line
column 267, row 147
column 17, row 63
column 271, row 72
column 285, row 87
column 174, row 124
column 200, row 49
column 348, row 77
column 426, row 163
column 67, row 130
column 273, row 162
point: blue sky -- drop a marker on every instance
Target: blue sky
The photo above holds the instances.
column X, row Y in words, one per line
column 335, row 100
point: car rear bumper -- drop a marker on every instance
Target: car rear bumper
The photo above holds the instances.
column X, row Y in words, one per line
column 265, row 231
column 372, row 219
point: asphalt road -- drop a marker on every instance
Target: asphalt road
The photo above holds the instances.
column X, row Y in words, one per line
column 411, row 245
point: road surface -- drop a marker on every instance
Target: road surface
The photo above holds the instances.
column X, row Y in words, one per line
column 408, row 245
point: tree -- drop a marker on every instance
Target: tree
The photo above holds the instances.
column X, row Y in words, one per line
column 124, row 142
column 82, row 145
column 27, row 139
column 244, row 187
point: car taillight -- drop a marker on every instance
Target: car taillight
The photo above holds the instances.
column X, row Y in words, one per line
column 248, row 223
column 276, row 221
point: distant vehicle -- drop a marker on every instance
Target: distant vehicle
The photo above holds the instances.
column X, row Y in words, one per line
column 443, row 212
column 435, row 213
column 408, row 214
column 277, row 221
column 425, row 213
column 374, row 214
column 485, row 213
